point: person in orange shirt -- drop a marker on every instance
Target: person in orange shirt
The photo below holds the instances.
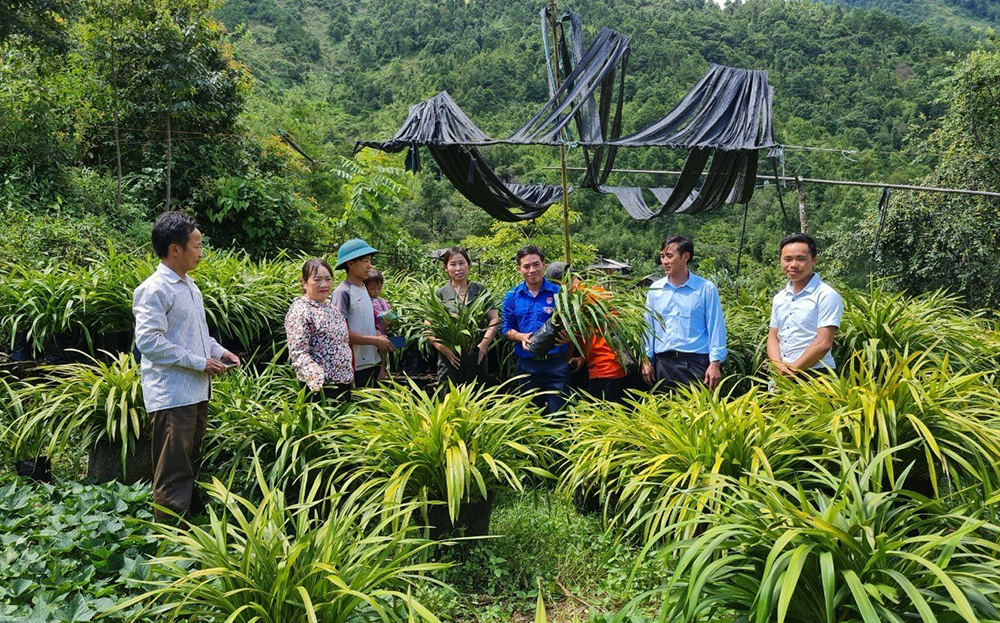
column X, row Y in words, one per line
column 606, row 375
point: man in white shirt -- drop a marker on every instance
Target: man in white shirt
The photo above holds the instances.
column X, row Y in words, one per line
column 805, row 315
column 179, row 360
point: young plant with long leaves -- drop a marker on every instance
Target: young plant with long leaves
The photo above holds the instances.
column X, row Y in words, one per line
column 883, row 399
column 836, row 547
column 452, row 448
column 254, row 562
column 661, row 465
column 600, row 307
column 81, row 404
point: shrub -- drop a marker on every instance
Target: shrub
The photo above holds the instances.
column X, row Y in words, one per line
column 884, row 399
column 836, row 547
column 453, row 448
column 424, row 314
column 244, row 300
column 661, row 465
column 80, row 404
column 274, row 562
column 44, row 304
column 266, row 413
column 935, row 322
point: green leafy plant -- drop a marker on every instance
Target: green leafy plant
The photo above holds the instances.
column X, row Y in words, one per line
column 934, row 322
column 81, row 404
column 44, row 304
column 595, row 307
column 836, row 547
column 454, row 448
column 661, row 465
column 269, row 561
column 247, row 300
column 266, row 412
column 884, row 399
column 109, row 287
column 459, row 327
column 747, row 314
column 71, row 551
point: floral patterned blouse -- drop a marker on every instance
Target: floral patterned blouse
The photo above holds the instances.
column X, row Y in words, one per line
column 318, row 344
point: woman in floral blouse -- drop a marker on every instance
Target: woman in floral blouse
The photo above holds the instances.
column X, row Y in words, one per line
column 317, row 336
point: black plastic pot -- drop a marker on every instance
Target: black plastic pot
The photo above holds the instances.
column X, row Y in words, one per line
column 105, row 462
column 544, row 339
column 21, row 350
column 473, row 520
column 38, row 469
column 116, row 342
column 468, row 367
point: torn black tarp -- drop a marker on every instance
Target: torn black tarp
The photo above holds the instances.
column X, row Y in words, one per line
column 724, row 120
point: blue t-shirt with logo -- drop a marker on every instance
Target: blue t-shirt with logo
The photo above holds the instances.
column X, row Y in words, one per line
column 526, row 313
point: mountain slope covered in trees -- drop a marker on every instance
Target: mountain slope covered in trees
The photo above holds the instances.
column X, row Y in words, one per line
column 843, row 78
column 200, row 123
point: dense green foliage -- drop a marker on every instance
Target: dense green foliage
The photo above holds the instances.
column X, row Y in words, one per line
column 327, row 72
column 847, row 79
column 71, row 551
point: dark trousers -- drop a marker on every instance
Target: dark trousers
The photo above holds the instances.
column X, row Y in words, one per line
column 612, row 390
column 675, row 369
column 177, row 436
column 366, row 378
column 545, row 375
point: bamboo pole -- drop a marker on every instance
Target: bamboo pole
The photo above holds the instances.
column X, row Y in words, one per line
column 803, row 226
column 811, row 180
column 562, row 145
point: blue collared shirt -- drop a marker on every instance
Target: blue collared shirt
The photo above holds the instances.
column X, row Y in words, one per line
column 798, row 317
column 526, row 313
column 689, row 318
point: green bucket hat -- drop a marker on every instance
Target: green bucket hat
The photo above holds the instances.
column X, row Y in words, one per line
column 352, row 250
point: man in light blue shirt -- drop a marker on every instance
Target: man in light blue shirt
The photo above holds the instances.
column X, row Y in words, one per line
column 805, row 315
column 687, row 338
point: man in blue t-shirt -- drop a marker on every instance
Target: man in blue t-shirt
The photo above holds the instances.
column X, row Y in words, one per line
column 526, row 307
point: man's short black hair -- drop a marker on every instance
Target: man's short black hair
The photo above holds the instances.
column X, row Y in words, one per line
column 684, row 245
column 172, row 228
column 800, row 237
column 528, row 250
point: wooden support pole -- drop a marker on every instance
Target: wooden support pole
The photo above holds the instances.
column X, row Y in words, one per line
column 562, row 147
column 803, row 226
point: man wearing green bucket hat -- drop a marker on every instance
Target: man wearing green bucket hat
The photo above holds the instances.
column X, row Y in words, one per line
column 351, row 296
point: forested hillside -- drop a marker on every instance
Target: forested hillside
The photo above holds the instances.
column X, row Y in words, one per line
column 956, row 16
column 845, row 79
column 873, row 91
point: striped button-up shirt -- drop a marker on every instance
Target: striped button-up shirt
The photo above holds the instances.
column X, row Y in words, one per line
column 172, row 335
column 686, row 318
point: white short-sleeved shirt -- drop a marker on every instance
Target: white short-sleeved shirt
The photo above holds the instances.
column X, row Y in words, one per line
column 798, row 317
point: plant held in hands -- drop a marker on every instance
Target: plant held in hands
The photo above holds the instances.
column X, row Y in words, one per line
column 592, row 308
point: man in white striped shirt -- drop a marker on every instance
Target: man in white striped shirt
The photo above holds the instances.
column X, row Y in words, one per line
column 179, row 360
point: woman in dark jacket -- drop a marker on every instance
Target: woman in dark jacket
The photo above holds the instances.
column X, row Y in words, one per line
column 460, row 290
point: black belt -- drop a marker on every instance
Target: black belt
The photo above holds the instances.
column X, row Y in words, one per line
column 543, row 357
column 676, row 354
